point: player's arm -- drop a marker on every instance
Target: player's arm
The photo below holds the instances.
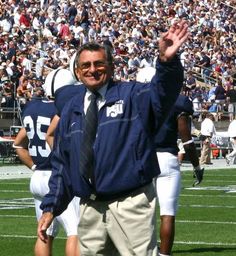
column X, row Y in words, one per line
column 21, row 146
column 189, row 146
column 185, row 135
column 51, row 130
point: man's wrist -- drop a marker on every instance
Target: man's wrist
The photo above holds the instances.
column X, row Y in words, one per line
column 164, row 59
column 48, row 210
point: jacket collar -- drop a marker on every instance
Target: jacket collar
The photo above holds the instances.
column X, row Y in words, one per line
column 112, row 95
column 78, row 101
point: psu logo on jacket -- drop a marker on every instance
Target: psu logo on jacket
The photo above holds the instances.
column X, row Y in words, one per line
column 116, row 109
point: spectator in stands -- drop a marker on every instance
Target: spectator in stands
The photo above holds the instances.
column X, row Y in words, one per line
column 23, row 91
column 11, row 53
column 9, row 70
column 44, row 4
column 84, row 18
column 24, row 19
column 220, row 96
column 39, row 65
column 211, row 94
column 213, row 109
column 207, row 131
column 204, row 93
column 190, row 83
column 3, row 74
column 7, row 94
column 197, row 107
column 71, row 13
column 46, row 32
column 64, row 30
column 231, row 100
column 205, row 63
column 26, row 63
column 16, row 74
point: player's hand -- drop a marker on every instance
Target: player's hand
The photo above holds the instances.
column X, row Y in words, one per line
column 43, row 224
column 199, row 176
column 172, row 40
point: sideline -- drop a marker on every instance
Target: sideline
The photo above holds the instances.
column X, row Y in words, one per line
column 217, row 164
column 21, row 171
column 14, row 172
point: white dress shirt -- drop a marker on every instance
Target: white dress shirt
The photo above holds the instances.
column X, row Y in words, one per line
column 100, row 101
column 208, row 127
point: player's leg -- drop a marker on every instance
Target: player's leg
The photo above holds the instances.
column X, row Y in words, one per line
column 38, row 188
column 181, row 152
column 168, row 185
column 72, row 246
column 69, row 219
column 43, row 249
column 167, row 233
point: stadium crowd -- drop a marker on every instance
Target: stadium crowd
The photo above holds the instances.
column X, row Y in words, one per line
column 37, row 36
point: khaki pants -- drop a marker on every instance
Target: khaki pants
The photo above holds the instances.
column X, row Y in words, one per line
column 206, row 152
column 125, row 227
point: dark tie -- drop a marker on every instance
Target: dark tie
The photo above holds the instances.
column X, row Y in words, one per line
column 89, row 133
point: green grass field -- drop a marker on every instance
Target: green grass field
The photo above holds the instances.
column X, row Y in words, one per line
column 205, row 224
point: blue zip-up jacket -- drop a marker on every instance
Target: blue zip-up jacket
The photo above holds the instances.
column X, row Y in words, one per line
column 124, row 147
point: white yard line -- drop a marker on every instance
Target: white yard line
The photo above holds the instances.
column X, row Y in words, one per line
column 176, row 242
column 205, row 243
column 207, row 206
column 16, row 216
column 23, row 236
column 14, row 191
column 213, row 196
column 207, row 222
column 18, row 203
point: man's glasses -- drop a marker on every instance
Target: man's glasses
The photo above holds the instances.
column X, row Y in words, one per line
column 98, row 65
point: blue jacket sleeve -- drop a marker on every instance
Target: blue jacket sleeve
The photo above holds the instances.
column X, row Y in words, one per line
column 60, row 193
column 163, row 91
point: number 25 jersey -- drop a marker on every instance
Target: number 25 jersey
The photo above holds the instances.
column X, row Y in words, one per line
column 37, row 116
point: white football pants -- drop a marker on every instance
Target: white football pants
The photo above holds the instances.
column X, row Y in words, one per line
column 168, row 183
column 69, row 219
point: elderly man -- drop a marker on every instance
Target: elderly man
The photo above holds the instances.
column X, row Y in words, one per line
column 105, row 152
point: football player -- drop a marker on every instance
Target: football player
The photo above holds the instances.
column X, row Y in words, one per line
column 34, row 152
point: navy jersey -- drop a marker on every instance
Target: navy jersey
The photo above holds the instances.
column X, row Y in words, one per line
column 37, row 116
column 166, row 139
column 63, row 95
